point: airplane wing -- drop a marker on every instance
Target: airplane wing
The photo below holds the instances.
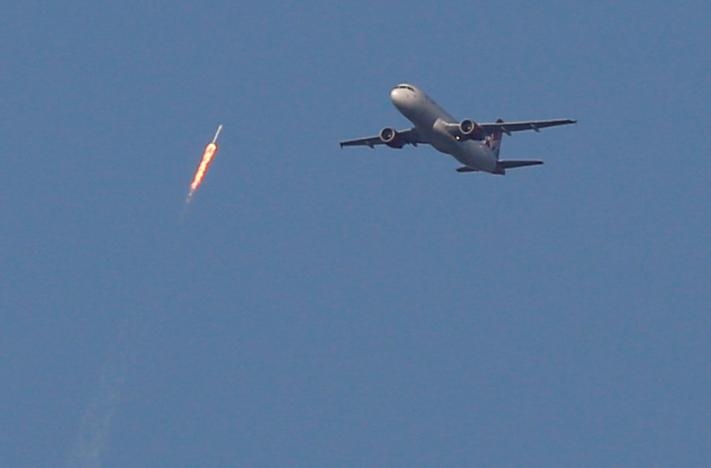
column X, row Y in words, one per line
column 483, row 129
column 535, row 125
column 398, row 139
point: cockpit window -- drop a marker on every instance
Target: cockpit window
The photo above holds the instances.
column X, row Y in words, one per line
column 402, row 86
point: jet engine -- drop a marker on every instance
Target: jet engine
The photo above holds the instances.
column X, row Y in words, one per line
column 470, row 130
column 391, row 138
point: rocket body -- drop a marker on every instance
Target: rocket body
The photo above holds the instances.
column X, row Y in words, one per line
column 207, row 157
column 217, row 133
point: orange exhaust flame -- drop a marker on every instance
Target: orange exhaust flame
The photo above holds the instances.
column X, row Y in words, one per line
column 207, row 157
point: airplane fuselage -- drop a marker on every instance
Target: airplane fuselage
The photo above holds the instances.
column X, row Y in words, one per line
column 430, row 119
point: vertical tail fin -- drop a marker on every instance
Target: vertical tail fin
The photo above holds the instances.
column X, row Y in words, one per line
column 493, row 141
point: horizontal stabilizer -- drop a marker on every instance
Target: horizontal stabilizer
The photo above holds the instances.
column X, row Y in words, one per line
column 466, row 169
column 514, row 164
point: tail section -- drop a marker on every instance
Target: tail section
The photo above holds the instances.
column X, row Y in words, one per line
column 493, row 140
column 501, row 166
column 514, row 164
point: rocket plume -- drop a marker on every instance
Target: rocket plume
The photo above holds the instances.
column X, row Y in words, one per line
column 207, row 156
column 204, row 165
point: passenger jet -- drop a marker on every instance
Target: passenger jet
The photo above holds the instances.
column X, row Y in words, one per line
column 475, row 145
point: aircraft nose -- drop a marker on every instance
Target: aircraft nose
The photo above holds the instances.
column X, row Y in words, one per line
column 398, row 97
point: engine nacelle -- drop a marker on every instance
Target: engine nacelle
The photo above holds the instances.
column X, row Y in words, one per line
column 470, row 130
column 391, row 138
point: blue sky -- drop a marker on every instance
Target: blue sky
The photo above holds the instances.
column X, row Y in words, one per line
column 324, row 307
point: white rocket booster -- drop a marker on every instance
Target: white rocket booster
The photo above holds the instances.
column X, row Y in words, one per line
column 217, row 133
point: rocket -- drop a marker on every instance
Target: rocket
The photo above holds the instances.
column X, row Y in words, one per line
column 217, row 134
column 207, row 157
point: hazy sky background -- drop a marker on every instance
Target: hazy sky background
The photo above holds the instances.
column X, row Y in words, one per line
column 325, row 307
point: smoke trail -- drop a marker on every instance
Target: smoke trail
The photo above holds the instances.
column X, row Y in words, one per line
column 95, row 425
